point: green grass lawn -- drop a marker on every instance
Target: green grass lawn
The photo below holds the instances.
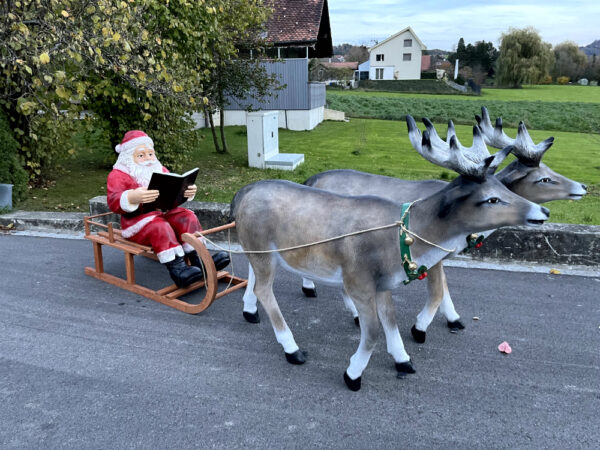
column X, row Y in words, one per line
column 533, row 93
column 376, row 146
column 561, row 116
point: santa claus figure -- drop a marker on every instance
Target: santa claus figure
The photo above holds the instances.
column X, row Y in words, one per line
column 127, row 192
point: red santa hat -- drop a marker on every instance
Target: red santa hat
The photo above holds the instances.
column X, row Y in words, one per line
column 132, row 139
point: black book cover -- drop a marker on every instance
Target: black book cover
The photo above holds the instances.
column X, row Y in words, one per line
column 171, row 187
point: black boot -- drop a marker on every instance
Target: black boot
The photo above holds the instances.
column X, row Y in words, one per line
column 182, row 274
column 221, row 260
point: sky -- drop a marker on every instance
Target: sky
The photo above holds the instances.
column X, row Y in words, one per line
column 441, row 23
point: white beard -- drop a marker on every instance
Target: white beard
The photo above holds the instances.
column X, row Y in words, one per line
column 140, row 172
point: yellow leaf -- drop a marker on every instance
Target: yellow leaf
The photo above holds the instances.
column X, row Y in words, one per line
column 48, row 78
column 116, row 36
column 28, row 69
column 555, row 271
column 62, row 92
column 205, row 100
column 147, row 117
column 64, row 13
column 45, row 58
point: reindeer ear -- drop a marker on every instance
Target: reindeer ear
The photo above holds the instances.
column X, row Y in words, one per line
column 493, row 162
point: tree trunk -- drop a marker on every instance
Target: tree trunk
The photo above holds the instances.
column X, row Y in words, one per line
column 208, row 113
column 222, row 129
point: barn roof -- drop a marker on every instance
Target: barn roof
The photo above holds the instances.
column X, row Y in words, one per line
column 301, row 23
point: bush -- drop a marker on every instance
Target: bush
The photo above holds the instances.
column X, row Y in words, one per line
column 428, row 76
column 562, row 80
column 11, row 171
column 546, row 80
column 414, row 86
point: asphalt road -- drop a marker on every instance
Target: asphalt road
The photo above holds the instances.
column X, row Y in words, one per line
column 84, row 364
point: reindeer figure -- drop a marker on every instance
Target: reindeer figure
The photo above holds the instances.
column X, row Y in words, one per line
column 275, row 214
column 526, row 176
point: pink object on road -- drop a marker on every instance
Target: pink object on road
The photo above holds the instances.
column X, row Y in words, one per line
column 505, row 348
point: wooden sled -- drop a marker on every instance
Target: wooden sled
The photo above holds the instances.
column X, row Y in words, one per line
column 168, row 295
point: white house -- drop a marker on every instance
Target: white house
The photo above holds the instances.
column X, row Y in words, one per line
column 397, row 58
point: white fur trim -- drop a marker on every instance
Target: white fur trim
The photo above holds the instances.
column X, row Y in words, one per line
column 133, row 143
column 188, row 248
column 169, row 255
column 124, row 202
column 136, row 227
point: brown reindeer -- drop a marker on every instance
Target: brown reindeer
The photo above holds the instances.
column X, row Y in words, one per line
column 273, row 215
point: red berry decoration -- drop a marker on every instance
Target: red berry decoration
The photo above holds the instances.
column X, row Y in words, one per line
column 423, row 275
column 478, row 245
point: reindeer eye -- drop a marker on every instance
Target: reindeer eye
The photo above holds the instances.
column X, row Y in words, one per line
column 545, row 180
column 493, row 200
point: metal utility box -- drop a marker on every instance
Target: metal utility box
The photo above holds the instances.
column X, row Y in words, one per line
column 263, row 143
column 263, row 137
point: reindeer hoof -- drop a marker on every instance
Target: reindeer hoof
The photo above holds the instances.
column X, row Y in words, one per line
column 357, row 322
column 252, row 317
column 353, row 385
column 418, row 335
column 309, row 292
column 295, row 358
column 456, row 325
column 404, row 368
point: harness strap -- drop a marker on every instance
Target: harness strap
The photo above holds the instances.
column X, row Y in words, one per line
column 413, row 271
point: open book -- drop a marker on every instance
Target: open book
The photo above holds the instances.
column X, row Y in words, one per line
column 171, row 187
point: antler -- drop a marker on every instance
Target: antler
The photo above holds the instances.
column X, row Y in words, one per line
column 474, row 161
column 523, row 146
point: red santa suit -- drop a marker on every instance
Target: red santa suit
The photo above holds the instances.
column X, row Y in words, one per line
column 161, row 230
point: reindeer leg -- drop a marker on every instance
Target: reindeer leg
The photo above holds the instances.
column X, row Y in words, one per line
column 308, row 287
column 395, row 346
column 369, row 331
column 350, row 305
column 447, row 307
column 439, row 297
column 264, row 270
column 250, row 310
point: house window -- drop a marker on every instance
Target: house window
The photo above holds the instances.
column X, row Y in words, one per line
column 379, row 74
column 379, row 57
column 408, row 42
column 406, row 57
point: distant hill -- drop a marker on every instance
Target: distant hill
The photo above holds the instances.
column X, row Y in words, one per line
column 437, row 52
column 591, row 49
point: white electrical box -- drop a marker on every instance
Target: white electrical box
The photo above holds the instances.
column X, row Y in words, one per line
column 263, row 139
column 263, row 143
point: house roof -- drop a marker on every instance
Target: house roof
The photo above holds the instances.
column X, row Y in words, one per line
column 340, row 65
column 298, row 22
column 423, row 46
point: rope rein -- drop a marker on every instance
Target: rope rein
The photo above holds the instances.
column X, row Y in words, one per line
column 398, row 223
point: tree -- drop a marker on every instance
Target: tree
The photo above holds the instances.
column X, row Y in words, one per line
column 524, row 58
column 569, row 61
column 358, row 53
column 142, row 63
column 480, row 57
column 239, row 78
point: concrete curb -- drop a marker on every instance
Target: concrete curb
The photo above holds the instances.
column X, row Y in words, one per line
column 549, row 244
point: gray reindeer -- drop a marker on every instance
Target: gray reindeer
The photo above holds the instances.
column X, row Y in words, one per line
column 275, row 219
column 526, row 176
